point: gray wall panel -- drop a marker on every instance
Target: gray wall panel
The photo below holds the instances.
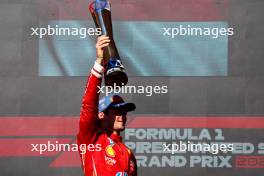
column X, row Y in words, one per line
column 24, row 93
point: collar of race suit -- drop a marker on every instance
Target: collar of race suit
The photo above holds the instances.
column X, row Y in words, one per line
column 116, row 138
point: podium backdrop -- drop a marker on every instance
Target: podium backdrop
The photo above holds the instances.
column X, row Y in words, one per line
column 215, row 86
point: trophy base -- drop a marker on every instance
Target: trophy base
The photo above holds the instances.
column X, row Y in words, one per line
column 115, row 74
column 116, row 78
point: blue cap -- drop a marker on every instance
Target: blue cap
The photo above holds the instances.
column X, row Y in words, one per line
column 114, row 101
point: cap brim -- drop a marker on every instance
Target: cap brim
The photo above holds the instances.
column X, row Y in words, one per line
column 126, row 106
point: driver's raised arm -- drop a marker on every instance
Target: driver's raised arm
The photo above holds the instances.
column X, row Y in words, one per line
column 89, row 122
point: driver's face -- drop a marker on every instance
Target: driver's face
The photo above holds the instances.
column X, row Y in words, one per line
column 118, row 118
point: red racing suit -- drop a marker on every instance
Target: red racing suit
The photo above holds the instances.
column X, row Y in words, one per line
column 105, row 155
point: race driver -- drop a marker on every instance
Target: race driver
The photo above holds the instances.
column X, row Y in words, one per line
column 100, row 125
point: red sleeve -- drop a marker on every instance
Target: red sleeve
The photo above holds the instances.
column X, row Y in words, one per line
column 89, row 122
